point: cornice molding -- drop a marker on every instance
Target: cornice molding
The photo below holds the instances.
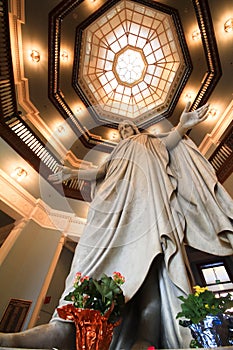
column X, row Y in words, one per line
column 27, row 207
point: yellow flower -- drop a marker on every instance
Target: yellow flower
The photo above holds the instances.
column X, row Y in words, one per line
column 199, row 290
column 207, row 306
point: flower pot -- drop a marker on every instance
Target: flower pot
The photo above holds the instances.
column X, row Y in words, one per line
column 212, row 332
column 93, row 332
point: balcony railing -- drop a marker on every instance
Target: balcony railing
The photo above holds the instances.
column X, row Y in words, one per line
column 222, row 157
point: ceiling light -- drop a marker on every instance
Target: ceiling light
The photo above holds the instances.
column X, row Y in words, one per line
column 196, row 35
column 19, row 174
column 228, row 25
column 35, row 56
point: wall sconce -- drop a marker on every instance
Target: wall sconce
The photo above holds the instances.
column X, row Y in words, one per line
column 79, row 110
column 188, row 96
column 35, row 56
column 213, row 113
column 19, row 174
column 228, row 25
column 196, row 35
column 61, row 129
column 64, row 56
column 155, row 130
column 114, row 135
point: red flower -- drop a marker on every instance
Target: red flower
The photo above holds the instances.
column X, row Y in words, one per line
column 84, row 278
column 79, row 279
column 118, row 278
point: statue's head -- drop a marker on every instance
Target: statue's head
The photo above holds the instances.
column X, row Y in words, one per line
column 127, row 128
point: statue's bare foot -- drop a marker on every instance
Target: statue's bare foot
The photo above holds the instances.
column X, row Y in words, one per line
column 56, row 334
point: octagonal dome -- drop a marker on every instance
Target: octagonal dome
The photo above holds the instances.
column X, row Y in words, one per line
column 117, row 90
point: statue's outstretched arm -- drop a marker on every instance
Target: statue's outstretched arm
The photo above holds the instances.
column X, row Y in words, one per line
column 65, row 173
column 187, row 121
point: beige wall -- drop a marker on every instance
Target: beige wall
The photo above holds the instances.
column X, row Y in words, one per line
column 24, row 270
column 56, row 286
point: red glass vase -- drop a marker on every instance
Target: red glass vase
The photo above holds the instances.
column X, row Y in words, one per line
column 93, row 332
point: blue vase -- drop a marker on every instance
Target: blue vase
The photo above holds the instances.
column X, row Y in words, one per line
column 205, row 332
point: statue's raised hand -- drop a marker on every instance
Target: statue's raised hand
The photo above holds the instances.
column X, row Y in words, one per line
column 190, row 119
column 64, row 173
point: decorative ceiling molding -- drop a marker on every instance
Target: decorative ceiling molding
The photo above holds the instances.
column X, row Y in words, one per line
column 210, row 47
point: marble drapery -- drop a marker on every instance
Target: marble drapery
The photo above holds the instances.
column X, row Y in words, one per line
column 150, row 203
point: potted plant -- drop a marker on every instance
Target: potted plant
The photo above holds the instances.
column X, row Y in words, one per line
column 204, row 313
column 96, row 309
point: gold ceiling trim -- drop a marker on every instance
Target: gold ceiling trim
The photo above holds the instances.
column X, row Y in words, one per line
column 214, row 71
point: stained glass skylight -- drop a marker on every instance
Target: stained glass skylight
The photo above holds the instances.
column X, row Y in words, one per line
column 129, row 66
column 130, row 62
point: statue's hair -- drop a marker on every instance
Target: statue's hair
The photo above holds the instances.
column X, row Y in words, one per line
column 128, row 122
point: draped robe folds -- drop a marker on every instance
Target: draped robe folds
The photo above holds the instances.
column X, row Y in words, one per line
column 151, row 202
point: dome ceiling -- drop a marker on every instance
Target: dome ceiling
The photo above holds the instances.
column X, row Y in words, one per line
column 130, row 62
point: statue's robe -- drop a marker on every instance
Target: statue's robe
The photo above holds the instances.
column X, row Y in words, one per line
column 150, row 203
